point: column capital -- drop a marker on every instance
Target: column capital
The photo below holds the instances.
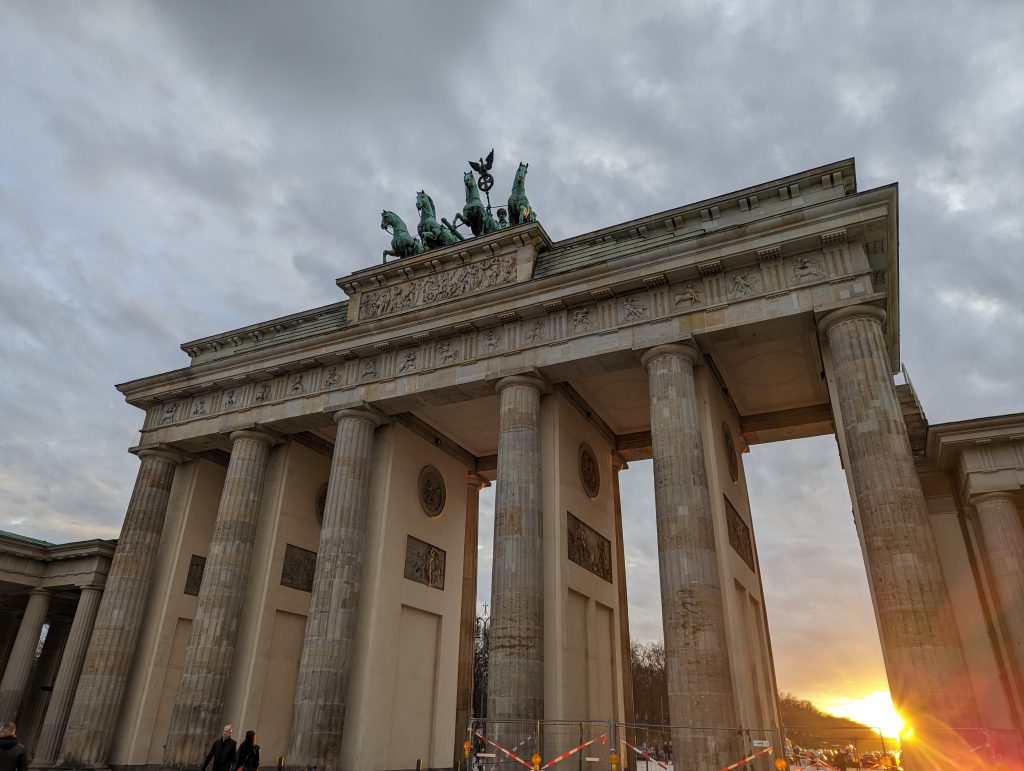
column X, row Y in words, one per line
column 367, row 413
column 256, row 434
column 996, row 495
column 475, row 481
column 829, row 320
column 687, row 350
column 160, row 451
column 530, row 381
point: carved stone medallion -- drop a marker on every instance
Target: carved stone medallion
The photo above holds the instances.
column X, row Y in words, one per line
column 432, row 491
column 590, row 473
column 730, row 453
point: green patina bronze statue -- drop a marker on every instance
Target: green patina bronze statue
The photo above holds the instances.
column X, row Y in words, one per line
column 433, row 233
column 403, row 244
column 519, row 210
column 474, row 213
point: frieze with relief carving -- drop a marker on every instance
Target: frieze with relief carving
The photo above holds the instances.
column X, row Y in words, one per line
column 438, row 287
column 588, row 548
column 424, row 563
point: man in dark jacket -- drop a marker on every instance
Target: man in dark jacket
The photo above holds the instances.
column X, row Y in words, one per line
column 12, row 752
column 222, row 753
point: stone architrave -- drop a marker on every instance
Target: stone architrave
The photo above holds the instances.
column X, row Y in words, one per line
column 925, row 664
column 1002, row 543
column 23, row 654
column 321, row 694
column 210, row 651
column 48, row 744
column 515, row 687
column 700, row 692
column 97, row 702
column 467, row 621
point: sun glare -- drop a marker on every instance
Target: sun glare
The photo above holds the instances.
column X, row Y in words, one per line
column 874, row 709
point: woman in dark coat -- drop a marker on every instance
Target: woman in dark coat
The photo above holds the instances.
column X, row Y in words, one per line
column 248, row 757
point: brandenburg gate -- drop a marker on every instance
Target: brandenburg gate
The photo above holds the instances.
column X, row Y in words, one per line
column 299, row 552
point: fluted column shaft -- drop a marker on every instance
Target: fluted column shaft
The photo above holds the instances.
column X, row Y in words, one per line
column 924, row 660
column 696, row 652
column 19, row 665
column 48, row 744
column 210, row 651
column 97, row 703
column 1002, row 543
column 467, row 624
column 618, row 464
column 321, row 695
column 515, row 686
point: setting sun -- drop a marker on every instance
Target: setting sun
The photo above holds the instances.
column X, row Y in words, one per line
column 874, row 709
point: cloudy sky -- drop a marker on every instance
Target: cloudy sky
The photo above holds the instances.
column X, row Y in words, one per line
column 176, row 170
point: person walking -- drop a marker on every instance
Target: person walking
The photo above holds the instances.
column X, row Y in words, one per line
column 13, row 756
column 222, row 752
column 248, row 757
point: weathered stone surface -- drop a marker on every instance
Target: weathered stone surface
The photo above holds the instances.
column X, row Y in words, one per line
column 321, row 695
column 48, row 744
column 1002, row 543
column 93, row 718
column 19, row 664
column 924, row 660
column 199, row 705
column 516, row 677
column 700, row 692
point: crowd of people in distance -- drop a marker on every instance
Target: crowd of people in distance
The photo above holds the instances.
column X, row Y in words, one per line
column 841, row 758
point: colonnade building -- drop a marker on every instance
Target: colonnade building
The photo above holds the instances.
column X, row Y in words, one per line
column 299, row 552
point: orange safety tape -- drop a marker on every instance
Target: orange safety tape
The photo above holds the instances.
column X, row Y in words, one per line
column 739, row 763
column 644, row 755
column 574, row 750
column 509, row 753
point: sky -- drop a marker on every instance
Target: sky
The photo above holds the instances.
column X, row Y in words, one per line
column 174, row 170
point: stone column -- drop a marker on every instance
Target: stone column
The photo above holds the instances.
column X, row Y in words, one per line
column 199, row 705
column 1002, row 545
column 321, row 695
column 515, row 685
column 467, row 627
column 48, row 744
column 618, row 464
column 693, row 612
column 924, row 661
column 97, row 703
column 23, row 654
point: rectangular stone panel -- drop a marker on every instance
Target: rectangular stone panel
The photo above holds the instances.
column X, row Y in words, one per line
column 739, row 534
column 298, row 568
column 588, row 548
column 424, row 563
column 194, row 577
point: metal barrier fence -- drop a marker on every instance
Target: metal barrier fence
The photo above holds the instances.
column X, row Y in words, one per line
column 561, row 745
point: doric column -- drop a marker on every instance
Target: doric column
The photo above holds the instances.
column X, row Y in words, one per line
column 696, row 651
column 515, row 685
column 19, row 665
column 321, row 694
column 71, row 662
column 1002, row 545
column 924, row 661
column 467, row 628
column 97, row 702
column 210, row 651
column 618, row 464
